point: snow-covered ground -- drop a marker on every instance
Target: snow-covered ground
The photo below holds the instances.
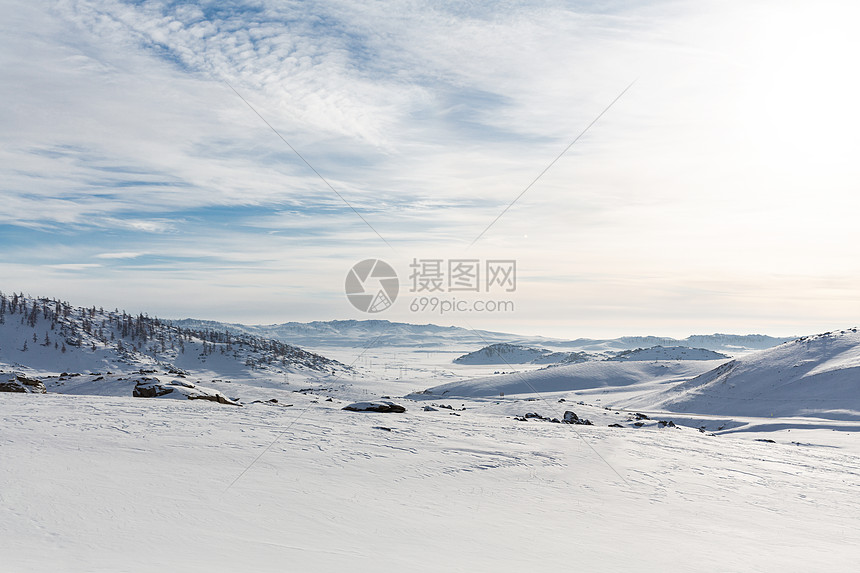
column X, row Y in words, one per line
column 126, row 484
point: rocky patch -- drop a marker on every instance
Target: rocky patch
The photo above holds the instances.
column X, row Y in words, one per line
column 178, row 389
column 23, row 384
column 569, row 418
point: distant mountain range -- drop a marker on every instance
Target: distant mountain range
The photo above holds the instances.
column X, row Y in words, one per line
column 356, row 333
column 510, row 354
column 361, row 333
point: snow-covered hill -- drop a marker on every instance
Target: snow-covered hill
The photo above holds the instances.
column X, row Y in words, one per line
column 48, row 335
column 504, row 353
column 669, row 353
column 812, row 376
column 728, row 343
column 585, row 375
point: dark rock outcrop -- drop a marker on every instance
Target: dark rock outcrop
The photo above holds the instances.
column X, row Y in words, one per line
column 382, row 406
column 155, row 388
column 23, row 384
column 572, row 418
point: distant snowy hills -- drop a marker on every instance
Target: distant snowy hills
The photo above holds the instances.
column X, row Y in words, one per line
column 732, row 344
column 812, row 376
column 668, row 353
column 357, row 333
column 360, row 333
column 504, row 353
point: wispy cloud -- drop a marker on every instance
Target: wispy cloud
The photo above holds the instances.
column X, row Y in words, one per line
column 121, row 255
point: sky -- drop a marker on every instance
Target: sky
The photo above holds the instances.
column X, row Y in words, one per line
column 141, row 168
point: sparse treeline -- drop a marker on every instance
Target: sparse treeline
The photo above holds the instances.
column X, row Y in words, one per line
column 94, row 328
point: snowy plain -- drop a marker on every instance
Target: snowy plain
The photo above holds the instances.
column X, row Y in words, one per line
column 125, row 484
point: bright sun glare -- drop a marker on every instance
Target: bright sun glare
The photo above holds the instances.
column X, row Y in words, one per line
column 802, row 85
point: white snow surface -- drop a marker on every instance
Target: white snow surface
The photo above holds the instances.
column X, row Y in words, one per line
column 92, row 483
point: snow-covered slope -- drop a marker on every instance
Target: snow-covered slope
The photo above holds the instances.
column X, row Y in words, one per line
column 585, row 375
column 811, row 376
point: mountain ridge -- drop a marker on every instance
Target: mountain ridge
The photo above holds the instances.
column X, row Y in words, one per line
column 355, row 332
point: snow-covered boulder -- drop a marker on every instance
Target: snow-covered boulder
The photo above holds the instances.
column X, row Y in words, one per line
column 21, row 383
column 572, row 418
column 383, row 406
column 178, row 389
